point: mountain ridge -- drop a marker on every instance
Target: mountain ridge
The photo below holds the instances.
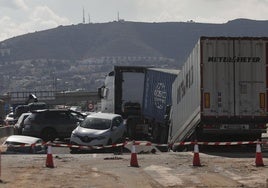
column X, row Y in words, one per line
column 77, row 57
column 165, row 39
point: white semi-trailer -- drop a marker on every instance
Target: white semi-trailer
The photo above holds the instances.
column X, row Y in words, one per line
column 221, row 93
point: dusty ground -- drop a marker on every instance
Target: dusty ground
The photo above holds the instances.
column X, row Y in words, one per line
column 156, row 170
column 220, row 167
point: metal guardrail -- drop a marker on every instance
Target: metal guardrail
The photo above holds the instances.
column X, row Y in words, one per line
column 22, row 96
column 51, row 97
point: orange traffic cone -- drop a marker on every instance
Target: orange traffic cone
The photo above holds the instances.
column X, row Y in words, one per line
column 258, row 160
column 196, row 159
column 134, row 160
column 49, row 161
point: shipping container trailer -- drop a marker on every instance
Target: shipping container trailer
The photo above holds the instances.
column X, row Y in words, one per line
column 221, row 93
column 156, row 101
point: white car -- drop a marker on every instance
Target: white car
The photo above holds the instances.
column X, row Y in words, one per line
column 24, row 144
column 19, row 125
column 99, row 129
column 10, row 119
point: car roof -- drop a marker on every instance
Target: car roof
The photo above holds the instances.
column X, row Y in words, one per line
column 11, row 114
column 22, row 139
column 26, row 113
column 104, row 115
column 53, row 110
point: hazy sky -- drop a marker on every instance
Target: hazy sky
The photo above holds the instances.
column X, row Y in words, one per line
column 23, row 16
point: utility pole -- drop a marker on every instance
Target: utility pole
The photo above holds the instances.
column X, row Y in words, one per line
column 83, row 15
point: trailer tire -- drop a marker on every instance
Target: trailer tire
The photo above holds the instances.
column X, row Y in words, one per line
column 179, row 148
column 131, row 129
column 155, row 133
column 163, row 136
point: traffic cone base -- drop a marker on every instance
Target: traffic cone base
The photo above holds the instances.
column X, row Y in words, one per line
column 258, row 159
column 196, row 159
column 49, row 160
column 134, row 159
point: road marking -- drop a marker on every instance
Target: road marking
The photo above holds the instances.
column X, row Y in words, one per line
column 164, row 175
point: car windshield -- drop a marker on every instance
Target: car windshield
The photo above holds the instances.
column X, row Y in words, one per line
column 77, row 115
column 13, row 143
column 96, row 123
column 22, row 118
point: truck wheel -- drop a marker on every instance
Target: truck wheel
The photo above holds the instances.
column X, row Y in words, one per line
column 49, row 134
column 155, row 133
column 163, row 135
column 163, row 139
column 131, row 129
column 122, row 139
column 179, row 148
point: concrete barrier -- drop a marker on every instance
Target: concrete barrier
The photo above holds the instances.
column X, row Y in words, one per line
column 6, row 131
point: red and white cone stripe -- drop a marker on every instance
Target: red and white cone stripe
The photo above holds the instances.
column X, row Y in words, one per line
column 258, row 158
column 196, row 159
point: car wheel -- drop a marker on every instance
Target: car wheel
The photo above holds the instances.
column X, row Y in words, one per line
column 108, row 150
column 109, row 142
column 119, row 149
column 49, row 134
column 32, row 150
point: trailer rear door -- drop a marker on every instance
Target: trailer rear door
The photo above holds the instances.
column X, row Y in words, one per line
column 233, row 77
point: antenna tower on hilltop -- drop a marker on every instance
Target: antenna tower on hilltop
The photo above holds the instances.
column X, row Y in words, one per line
column 83, row 15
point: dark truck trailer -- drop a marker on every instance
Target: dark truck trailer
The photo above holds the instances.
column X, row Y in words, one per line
column 156, row 101
column 221, row 93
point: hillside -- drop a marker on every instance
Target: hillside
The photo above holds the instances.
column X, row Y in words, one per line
column 170, row 40
column 74, row 57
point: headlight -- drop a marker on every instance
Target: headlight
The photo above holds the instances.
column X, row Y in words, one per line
column 74, row 134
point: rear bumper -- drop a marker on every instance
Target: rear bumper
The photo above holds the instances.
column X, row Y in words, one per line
column 233, row 131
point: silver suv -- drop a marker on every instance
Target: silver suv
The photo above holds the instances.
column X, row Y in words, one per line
column 50, row 124
column 99, row 129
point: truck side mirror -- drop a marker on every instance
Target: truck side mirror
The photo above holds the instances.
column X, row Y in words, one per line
column 166, row 117
column 167, row 113
column 100, row 89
